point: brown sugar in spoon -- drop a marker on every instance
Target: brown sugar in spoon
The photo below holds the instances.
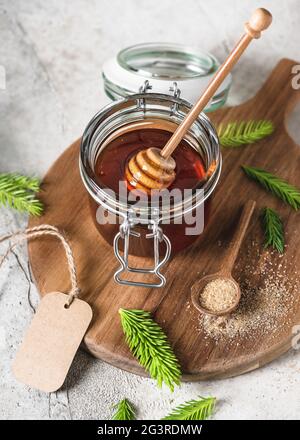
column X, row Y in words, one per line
column 219, row 294
column 154, row 168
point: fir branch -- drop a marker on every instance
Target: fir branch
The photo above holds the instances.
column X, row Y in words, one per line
column 193, row 410
column 236, row 134
column 18, row 192
column 124, row 411
column 274, row 235
column 149, row 344
column 279, row 187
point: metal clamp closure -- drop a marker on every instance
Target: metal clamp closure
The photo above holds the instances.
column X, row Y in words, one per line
column 126, row 230
column 176, row 93
column 146, row 86
column 143, row 89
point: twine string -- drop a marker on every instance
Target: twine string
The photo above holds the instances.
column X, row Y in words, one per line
column 38, row 231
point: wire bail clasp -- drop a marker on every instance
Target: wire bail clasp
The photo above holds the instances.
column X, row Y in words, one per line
column 176, row 93
column 143, row 89
column 126, row 230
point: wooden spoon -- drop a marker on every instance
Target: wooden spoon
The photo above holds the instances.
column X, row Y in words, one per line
column 154, row 168
column 225, row 272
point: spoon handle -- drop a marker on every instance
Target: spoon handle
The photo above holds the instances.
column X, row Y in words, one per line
column 234, row 247
column 259, row 21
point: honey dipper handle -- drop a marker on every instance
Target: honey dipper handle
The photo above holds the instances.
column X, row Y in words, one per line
column 260, row 20
column 234, row 247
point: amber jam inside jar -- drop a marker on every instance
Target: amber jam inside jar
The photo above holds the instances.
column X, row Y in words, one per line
column 111, row 163
column 110, row 170
column 112, row 137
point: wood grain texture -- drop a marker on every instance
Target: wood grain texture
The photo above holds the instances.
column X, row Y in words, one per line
column 67, row 208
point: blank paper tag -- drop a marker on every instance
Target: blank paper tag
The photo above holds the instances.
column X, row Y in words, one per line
column 51, row 342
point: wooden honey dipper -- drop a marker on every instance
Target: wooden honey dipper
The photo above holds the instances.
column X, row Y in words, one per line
column 154, row 168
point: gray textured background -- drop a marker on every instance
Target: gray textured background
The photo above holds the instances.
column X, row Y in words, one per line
column 53, row 52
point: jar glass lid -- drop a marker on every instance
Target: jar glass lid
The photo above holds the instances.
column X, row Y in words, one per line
column 163, row 64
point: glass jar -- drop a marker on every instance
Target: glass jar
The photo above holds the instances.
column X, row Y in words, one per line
column 162, row 64
column 143, row 228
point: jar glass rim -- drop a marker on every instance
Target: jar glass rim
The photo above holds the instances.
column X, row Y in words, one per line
column 169, row 61
column 163, row 63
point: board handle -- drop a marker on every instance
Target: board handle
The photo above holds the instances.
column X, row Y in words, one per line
column 259, row 21
column 281, row 90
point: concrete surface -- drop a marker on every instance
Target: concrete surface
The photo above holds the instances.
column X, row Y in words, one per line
column 52, row 53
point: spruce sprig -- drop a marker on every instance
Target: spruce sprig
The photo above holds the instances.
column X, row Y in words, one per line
column 236, row 134
column 193, row 410
column 18, row 192
column 123, row 411
column 279, row 187
column 274, row 234
column 149, row 344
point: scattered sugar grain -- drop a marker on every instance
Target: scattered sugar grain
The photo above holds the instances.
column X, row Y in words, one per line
column 265, row 307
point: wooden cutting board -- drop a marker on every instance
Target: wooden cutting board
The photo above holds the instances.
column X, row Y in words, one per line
column 201, row 357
